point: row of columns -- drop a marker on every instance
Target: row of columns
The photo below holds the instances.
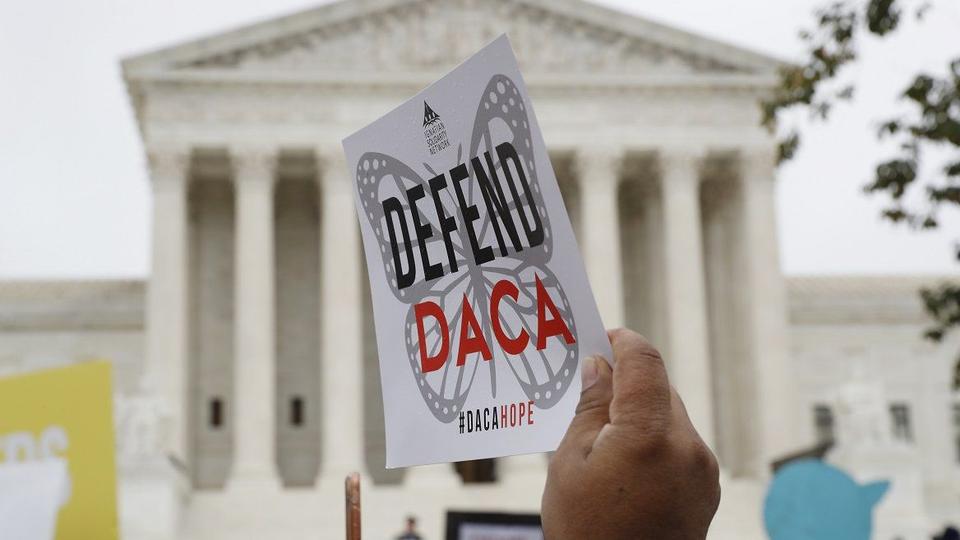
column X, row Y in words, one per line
column 254, row 175
column 599, row 171
column 687, row 340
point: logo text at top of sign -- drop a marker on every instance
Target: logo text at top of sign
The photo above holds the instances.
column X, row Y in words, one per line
column 434, row 131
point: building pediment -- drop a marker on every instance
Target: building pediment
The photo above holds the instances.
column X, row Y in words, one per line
column 402, row 36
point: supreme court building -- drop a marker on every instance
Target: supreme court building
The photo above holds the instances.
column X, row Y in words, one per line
column 249, row 354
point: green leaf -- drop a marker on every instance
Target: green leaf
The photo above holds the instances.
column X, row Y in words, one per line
column 894, row 176
column 787, row 148
column 890, row 127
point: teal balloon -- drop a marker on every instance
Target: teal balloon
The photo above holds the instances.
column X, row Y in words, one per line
column 811, row 500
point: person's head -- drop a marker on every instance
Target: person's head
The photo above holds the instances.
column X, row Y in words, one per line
column 411, row 523
column 950, row 533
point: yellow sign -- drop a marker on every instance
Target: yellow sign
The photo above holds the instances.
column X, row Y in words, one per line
column 67, row 413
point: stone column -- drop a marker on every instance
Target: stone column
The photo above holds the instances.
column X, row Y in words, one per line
column 766, row 316
column 687, row 353
column 341, row 360
column 598, row 172
column 254, row 460
column 166, row 317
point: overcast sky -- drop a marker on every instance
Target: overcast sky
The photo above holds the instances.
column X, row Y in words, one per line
column 74, row 197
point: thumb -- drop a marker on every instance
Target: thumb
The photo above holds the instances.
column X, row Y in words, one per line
column 593, row 410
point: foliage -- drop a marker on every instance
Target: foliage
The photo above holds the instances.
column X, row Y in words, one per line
column 943, row 304
column 914, row 199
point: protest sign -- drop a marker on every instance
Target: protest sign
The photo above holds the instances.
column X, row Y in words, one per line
column 482, row 307
column 492, row 526
column 53, row 417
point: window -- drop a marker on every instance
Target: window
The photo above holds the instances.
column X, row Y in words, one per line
column 296, row 411
column 956, row 429
column 900, row 419
column 823, row 423
column 216, row 413
column 478, row 471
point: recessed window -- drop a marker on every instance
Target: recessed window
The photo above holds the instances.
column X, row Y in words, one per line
column 478, row 471
column 900, row 422
column 823, row 423
column 216, row 413
column 296, row 411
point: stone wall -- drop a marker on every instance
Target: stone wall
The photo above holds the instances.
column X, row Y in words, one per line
column 842, row 329
column 51, row 324
column 869, row 330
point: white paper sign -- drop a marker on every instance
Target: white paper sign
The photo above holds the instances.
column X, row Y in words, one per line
column 481, row 302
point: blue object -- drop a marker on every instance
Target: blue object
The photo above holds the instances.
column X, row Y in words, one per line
column 810, row 500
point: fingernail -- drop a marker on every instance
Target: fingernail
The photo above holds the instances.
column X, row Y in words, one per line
column 589, row 372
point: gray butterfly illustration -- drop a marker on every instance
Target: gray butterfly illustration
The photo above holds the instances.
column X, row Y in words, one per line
column 543, row 375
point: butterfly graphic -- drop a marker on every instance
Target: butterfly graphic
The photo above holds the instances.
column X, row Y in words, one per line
column 543, row 375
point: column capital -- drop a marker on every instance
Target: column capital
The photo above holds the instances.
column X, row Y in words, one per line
column 681, row 156
column 758, row 162
column 168, row 163
column 254, row 162
column 680, row 165
column 599, row 163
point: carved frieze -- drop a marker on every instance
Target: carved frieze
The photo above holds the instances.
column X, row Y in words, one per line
column 433, row 34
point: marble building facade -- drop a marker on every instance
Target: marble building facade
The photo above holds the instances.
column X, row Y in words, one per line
column 254, row 332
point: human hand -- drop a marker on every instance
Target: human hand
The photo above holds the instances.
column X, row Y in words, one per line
column 631, row 465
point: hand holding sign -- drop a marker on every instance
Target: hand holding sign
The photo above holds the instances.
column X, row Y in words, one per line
column 631, row 464
column 483, row 312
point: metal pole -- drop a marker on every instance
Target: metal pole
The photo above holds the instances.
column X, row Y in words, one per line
column 352, row 492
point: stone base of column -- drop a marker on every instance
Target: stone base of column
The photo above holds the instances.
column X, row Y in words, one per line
column 526, row 469
column 152, row 495
column 261, row 482
column 440, row 475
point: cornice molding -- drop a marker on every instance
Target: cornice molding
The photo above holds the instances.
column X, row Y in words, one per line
column 417, row 81
column 853, row 300
column 97, row 305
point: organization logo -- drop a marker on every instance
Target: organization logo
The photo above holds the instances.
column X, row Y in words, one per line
column 433, row 130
